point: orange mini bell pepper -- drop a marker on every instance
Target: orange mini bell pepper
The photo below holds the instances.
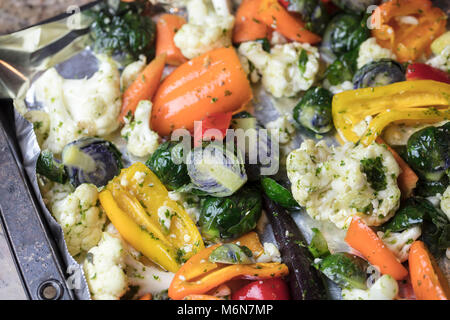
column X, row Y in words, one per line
column 198, row 275
column 407, row 41
column 211, row 83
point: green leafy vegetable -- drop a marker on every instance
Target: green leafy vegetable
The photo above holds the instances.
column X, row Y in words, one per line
column 375, row 172
column 313, row 12
column 123, row 30
column 318, row 246
column 265, row 45
column 278, row 193
column 232, row 216
column 172, row 175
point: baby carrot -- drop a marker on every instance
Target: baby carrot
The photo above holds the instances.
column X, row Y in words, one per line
column 166, row 27
column 365, row 240
column 247, row 27
column 143, row 87
column 427, row 279
column 276, row 16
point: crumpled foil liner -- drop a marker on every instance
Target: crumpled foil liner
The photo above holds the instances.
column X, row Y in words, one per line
column 24, row 55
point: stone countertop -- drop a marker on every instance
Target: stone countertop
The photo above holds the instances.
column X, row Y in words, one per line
column 16, row 15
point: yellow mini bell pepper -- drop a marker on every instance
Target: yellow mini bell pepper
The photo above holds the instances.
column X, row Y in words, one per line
column 198, row 276
column 138, row 205
column 419, row 101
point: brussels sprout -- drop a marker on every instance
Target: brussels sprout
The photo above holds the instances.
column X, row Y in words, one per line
column 123, row 30
column 231, row 253
column 426, row 188
column 314, row 110
column 379, row 73
column 51, row 168
column 161, row 162
column 230, row 217
column 343, row 68
column 91, row 160
column 428, row 152
column 346, row 270
column 313, row 12
column 278, row 193
column 344, row 33
column 215, row 170
column 356, row 6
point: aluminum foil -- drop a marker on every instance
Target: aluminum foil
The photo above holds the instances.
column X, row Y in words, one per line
column 26, row 54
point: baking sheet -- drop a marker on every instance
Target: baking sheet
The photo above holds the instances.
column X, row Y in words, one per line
column 29, row 52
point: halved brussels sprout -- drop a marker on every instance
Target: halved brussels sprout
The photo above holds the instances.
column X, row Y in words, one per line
column 233, row 216
column 313, row 12
column 379, row 73
column 344, row 33
column 215, row 170
column 231, row 253
column 91, row 160
column 428, row 152
column 314, row 110
column 161, row 162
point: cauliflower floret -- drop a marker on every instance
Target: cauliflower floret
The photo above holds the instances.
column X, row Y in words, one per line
column 209, row 27
column 442, row 60
column 283, row 127
column 131, row 71
column 400, row 242
column 41, row 124
column 385, row 288
column 445, row 202
column 287, row 69
column 341, row 87
column 104, row 269
column 249, row 69
column 331, row 184
column 80, row 107
column 53, row 192
column 81, row 218
column 142, row 141
column 271, row 254
column 370, row 51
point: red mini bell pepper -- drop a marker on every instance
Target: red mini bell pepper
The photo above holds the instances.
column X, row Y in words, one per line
column 422, row 71
column 270, row 289
column 217, row 121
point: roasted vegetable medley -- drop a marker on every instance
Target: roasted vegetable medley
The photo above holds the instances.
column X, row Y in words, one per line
column 166, row 175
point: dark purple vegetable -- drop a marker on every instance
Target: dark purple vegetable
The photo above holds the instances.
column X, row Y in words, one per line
column 91, row 160
column 305, row 281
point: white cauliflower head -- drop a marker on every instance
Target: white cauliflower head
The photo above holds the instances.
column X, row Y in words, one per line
column 104, row 269
column 287, row 69
column 81, row 218
column 142, row 140
column 209, row 27
column 62, row 99
column 332, row 185
column 131, row 71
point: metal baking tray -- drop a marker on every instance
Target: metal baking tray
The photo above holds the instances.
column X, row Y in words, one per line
column 38, row 259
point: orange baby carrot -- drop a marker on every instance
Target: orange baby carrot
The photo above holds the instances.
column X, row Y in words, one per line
column 427, row 279
column 166, row 27
column 365, row 240
column 143, row 87
column 247, row 27
column 276, row 16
